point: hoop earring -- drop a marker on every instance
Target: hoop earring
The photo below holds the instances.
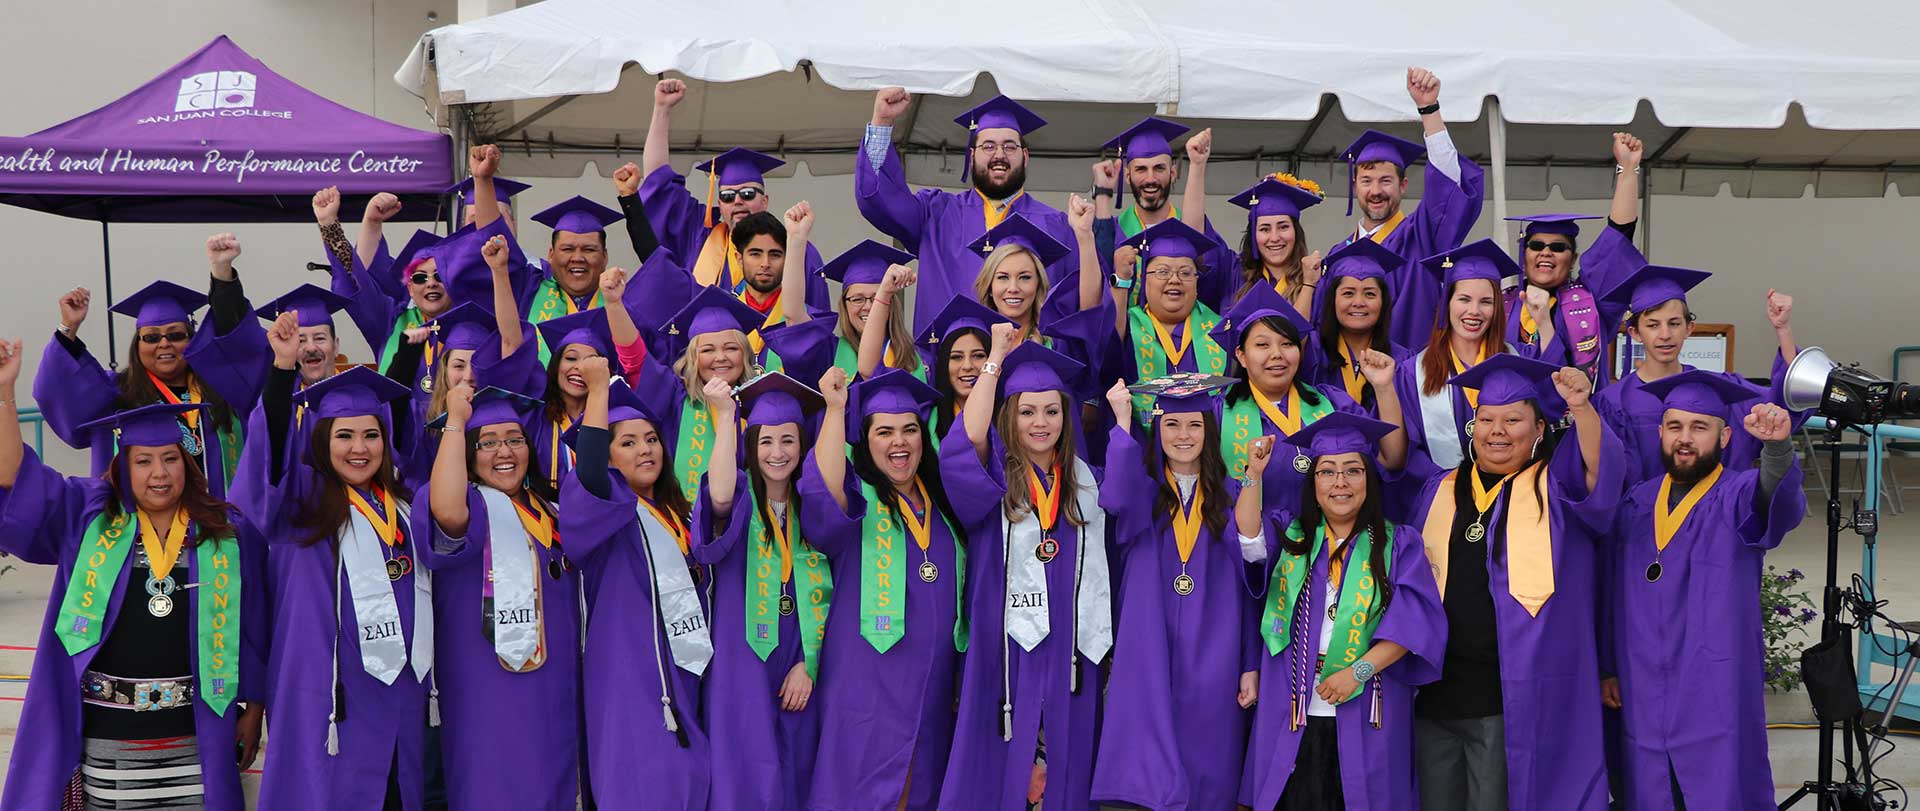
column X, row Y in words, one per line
column 1536, row 446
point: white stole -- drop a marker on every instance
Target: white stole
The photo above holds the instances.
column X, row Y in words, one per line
column 1026, row 617
column 516, row 614
column 677, row 599
column 1437, row 417
column 376, row 613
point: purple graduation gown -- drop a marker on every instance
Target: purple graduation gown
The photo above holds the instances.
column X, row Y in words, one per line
column 937, row 226
column 985, row 771
column 1420, row 464
column 384, row 727
column 1440, row 222
column 1176, row 660
column 1549, row 667
column 633, row 755
column 43, row 520
column 884, row 717
column 679, row 221
column 508, row 740
column 1634, row 416
column 1281, row 485
column 1325, row 375
column 1690, row 689
column 1610, row 260
column 763, row 755
column 1377, row 767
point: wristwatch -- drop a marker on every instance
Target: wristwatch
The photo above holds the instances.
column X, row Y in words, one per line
column 1363, row 671
column 1119, row 283
column 1100, row 190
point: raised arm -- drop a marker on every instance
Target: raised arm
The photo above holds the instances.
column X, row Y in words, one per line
column 1378, row 367
column 1780, row 315
column 1248, row 509
column 506, row 308
column 12, row 449
column 721, row 469
column 666, row 94
column 880, row 179
column 1193, row 202
column 381, row 208
column 447, row 488
column 326, row 214
column 873, row 339
column 829, row 449
column 793, row 274
column 613, row 287
column 978, row 412
column 626, row 184
column 1626, row 179
column 1080, row 215
column 1577, row 390
column 483, row 161
column 1106, row 186
column 1125, row 264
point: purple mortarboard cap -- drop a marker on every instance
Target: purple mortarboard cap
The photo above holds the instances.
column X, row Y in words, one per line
column 467, row 326
column 1201, row 402
column 1170, row 238
column 153, row 426
column 161, row 303
column 1018, row 230
column 1702, row 392
column 1261, row 301
column 1341, row 432
column 1000, row 112
column 313, row 305
column 1035, row 368
column 713, row 310
column 864, row 263
column 1654, row 285
column 497, row 406
column 893, row 391
column 503, row 190
column 578, row 215
column 961, row 313
column 1374, row 145
column 587, row 327
column 1363, row 259
column 462, row 268
column 1474, row 260
column 1506, row 378
column 356, row 392
column 1568, row 224
column 736, row 166
column 1147, row 139
column 418, row 248
column 1272, row 196
column 776, row 399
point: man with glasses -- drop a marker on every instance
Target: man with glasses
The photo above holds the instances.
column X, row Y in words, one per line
column 938, row 226
column 1560, row 319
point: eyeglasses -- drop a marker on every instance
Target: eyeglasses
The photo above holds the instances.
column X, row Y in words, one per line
column 858, row 301
column 746, row 195
column 510, row 443
column 1003, row 147
column 176, row 336
column 1171, row 274
column 1352, row 474
column 1552, row 247
column 421, row 277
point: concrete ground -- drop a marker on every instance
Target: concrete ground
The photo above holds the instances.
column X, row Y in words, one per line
column 24, row 590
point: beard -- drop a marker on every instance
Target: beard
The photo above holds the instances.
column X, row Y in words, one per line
column 1691, row 473
column 982, row 181
column 1149, row 202
column 763, row 286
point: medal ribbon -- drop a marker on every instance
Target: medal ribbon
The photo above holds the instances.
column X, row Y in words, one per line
column 671, row 522
column 539, row 523
column 1473, row 395
column 193, row 396
column 920, row 524
column 554, row 449
column 1289, row 422
column 1046, row 502
column 995, row 212
column 1187, row 521
column 1666, row 523
column 1174, row 353
column 161, row 554
column 1153, row 363
column 1350, row 373
column 386, row 525
column 1483, row 498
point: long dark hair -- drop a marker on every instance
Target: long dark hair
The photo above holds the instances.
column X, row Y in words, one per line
column 556, row 400
column 537, row 481
column 326, row 509
column 1254, row 271
column 1372, row 518
column 1213, row 476
column 202, row 508
column 751, row 442
column 666, row 489
column 137, row 389
column 1244, row 388
column 943, row 410
column 1377, row 340
column 929, row 473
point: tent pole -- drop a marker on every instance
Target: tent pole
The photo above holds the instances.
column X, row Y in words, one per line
column 461, row 124
column 1497, row 141
column 106, row 257
column 1646, row 211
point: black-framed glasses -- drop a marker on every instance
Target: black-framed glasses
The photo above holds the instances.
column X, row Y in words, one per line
column 421, row 277
column 178, row 336
column 746, row 195
column 510, row 443
column 1551, row 247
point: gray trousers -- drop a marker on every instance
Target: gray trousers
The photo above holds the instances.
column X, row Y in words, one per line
column 1463, row 763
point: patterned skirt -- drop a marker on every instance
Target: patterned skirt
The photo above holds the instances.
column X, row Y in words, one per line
column 152, row 775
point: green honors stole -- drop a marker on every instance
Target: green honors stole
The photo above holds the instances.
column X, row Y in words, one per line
column 1242, row 424
column 1155, row 355
column 773, row 560
column 846, row 357
column 1354, row 618
column 883, row 575
column 97, row 569
column 691, row 449
column 407, row 320
column 1130, row 221
column 550, row 302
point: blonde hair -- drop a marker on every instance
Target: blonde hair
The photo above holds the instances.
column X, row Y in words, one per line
column 437, row 404
column 899, row 336
column 983, row 283
column 689, row 370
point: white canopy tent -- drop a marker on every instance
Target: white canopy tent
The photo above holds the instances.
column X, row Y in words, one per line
column 1766, row 97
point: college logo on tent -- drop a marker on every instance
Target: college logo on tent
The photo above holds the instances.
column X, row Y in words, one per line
column 214, row 90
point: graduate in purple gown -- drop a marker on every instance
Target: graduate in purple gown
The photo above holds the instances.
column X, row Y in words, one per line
column 626, row 525
column 1013, row 282
column 1042, row 592
column 713, row 331
column 1274, row 399
column 575, row 259
column 1515, row 715
column 1274, row 251
column 170, row 359
column 1450, row 198
column 810, row 342
column 1147, row 167
column 771, row 593
column 888, row 668
column 1700, row 741
column 573, row 339
column 1355, row 315
column 1175, row 730
column 1467, row 330
column 393, row 300
column 1167, row 331
column 508, row 600
column 352, row 666
column 1351, row 625
column 955, row 349
column 937, row 225
column 1567, row 321
column 480, row 348
column 137, row 696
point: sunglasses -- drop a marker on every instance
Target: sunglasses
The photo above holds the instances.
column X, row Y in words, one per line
column 1553, row 247
column 420, row 277
column 746, row 195
column 176, row 336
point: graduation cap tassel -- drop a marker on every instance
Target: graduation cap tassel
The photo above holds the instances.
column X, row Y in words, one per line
column 1373, row 710
column 433, row 704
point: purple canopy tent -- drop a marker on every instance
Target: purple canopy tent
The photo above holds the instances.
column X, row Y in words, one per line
column 220, row 138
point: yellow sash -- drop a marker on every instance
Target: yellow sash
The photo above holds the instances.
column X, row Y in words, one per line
column 1529, row 534
column 995, row 212
column 1666, row 523
column 718, row 263
column 1473, row 395
column 1355, row 381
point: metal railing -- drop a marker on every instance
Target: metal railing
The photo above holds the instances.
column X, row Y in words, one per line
column 39, row 422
